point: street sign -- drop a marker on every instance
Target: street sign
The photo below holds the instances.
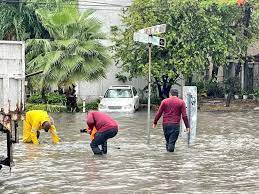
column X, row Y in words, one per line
column 139, row 37
column 158, row 29
column 145, row 38
column 158, row 41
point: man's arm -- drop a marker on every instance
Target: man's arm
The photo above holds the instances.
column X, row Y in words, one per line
column 159, row 113
column 184, row 115
column 34, row 129
column 54, row 134
column 90, row 121
column 34, row 138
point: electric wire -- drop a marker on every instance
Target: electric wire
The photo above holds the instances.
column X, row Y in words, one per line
column 81, row 5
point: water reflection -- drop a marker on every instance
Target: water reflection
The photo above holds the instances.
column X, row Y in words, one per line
column 224, row 159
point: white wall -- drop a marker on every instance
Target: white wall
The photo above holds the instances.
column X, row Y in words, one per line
column 109, row 16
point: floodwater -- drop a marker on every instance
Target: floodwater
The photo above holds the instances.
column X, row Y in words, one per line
column 223, row 159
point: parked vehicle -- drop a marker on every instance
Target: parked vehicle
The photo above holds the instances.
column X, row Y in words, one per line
column 120, row 98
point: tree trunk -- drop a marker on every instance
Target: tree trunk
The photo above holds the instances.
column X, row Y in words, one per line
column 71, row 99
column 167, row 90
column 215, row 72
column 207, row 74
column 189, row 81
column 43, row 96
column 165, row 87
column 160, row 93
column 228, row 99
column 60, row 90
column 163, row 90
column 237, row 69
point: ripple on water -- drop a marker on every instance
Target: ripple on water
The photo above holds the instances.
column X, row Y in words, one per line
column 223, row 159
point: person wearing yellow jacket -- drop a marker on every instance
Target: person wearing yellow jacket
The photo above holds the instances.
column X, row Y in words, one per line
column 35, row 121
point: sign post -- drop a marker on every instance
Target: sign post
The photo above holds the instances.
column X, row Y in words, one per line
column 146, row 36
column 190, row 97
column 149, row 91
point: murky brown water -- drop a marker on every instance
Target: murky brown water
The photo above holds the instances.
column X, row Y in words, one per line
column 224, row 159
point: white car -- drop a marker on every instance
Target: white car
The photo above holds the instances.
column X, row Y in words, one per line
column 122, row 98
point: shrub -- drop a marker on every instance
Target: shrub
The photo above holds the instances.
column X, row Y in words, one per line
column 51, row 98
column 214, row 89
column 89, row 105
column 256, row 93
column 55, row 98
column 35, row 98
column 155, row 101
column 46, row 107
column 232, row 86
column 200, row 86
column 209, row 88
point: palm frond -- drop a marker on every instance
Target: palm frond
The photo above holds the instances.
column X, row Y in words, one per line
column 75, row 54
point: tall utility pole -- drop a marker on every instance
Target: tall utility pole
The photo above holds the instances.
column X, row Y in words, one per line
column 149, row 91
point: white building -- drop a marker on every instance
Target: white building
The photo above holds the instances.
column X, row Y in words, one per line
column 108, row 12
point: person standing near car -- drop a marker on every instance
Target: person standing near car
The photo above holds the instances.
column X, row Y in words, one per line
column 106, row 128
column 172, row 109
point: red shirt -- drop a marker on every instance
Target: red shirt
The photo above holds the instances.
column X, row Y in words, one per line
column 172, row 109
column 101, row 121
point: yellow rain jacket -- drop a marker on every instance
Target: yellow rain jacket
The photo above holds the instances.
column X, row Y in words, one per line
column 33, row 123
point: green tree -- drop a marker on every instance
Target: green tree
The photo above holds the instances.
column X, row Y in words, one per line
column 18, row 20
column 74, row 51
column 232, row 87
column 198, row 33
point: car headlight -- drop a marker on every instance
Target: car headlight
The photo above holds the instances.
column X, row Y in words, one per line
column 102, row 106
column 128, row 106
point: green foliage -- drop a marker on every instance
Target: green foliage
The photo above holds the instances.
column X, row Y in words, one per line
column 256, row 93
column 214, row 89
column 89, row 105
column 18, row 21
column 200, row 86
column 209, row 88
column 153, row 100
column 35, row 98
column 51, row 98
column 73, row 52
column 55, row 98
column 121, row 78
column 198, row 33
column 232, row 86
column 60, row 108
column 46, row 107
column 244, row 92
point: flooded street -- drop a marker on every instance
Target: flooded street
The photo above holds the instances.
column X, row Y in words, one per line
column 223, row 159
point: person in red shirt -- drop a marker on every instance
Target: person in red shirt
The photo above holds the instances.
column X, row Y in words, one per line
column 106, row 128
column 172, row 109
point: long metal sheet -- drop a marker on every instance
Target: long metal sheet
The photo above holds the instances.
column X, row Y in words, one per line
column 190, row 98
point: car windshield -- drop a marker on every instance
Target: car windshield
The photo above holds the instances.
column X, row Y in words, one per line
column 118, row 93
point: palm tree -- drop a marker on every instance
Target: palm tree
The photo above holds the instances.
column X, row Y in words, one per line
column 74, row 51
column 18, row 21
